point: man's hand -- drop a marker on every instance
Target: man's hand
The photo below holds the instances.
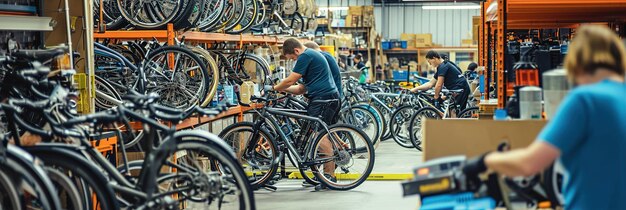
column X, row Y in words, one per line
column 474, row 167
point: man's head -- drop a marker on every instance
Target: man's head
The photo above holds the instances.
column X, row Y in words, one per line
column 312, row 45
column 358, row 58
column 472, row 66
column 292, row 48
column 433, row 58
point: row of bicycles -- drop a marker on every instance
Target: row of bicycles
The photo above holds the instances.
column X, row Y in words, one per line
column 183, row 75
column 49, row 160
column 227, row 16
column 384, row 114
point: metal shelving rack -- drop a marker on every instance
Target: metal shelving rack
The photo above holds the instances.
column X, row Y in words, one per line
column 500, row 15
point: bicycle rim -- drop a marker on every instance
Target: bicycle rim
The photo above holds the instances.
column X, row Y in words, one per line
column 248, row 17
column 212, row 71
column 416, row 124
column 262, row 166
column 66, row 190
column 399, row 126
column 352, row 154
column 151, row 14
column 177, row 75
column 364, row 120
column 8, row 193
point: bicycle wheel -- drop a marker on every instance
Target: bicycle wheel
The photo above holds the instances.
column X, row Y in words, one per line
column 65, row 158
column 150, row 14
column 239, row 12
column 346, row 162
column 248, row 19
column 415, row 126
column 9, row 198
column 399, row 125
column 213, row 13
column 107, row 89
column 213, row 73
column 66, row 190
column 205, row 174
column 471, row 112
column 553, row 180
column 177, row 75
column 251, row 67
column 261, row 166
column 386, row 116
column 112, row 17
column 379, row 117
column 364, row 120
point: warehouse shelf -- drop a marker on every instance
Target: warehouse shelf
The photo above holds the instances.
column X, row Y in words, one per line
column 192, row 36
column 237, row 111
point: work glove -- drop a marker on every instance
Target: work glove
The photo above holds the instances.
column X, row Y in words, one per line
column 268, row 87
column 474, row 167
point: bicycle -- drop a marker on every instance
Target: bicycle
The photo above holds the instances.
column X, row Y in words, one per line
column 432, row 112
column 260, row 152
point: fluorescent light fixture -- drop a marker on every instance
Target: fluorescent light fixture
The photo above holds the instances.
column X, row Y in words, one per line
column 452, row 7
column 333, row 8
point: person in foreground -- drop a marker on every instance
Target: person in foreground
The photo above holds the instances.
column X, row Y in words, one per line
column 588, row 132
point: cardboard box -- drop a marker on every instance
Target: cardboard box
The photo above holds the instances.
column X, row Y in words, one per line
column 466, row 42
column 475, row 137
column 476, row 20
column 423, row 40
column 475, row 34
column 349, row 20
column 355, row 10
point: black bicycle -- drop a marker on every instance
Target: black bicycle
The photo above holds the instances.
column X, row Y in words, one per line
column 339, row 156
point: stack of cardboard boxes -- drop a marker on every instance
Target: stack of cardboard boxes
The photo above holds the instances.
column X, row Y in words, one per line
column 417, row 40
column 360, row 16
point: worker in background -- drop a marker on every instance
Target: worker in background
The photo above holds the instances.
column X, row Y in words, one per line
column 471, row 73
column 588, row 132
column 449, row 75
column 313, row 69
column 360, row 65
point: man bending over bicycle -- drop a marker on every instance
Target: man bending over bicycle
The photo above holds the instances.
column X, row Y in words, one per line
column 313, row 69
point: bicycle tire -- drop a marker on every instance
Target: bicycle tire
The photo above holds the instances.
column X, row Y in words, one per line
column 9, row 198
column 379, row 120
column 220, row 157
column 155, row 24
column 111, row 23
column 262, row 68
column 184, row 18
column 213, row 14
column 394, row 125
column 247, row 23
column 64, row 184
column 353, row 110
column 232, row 23
column 368, row 147
column 384, row 122
column 553, row 180
column 213, row 71
column 157, row 74
column 414, row 127
column 471, row 112
column 257, row 183
column 66, row 157
column 108, row 88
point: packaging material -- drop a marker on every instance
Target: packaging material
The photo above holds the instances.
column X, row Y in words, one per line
column 355, row 10
column 475, row 137
column 349, row 20
column 423, row 40
column 409, row 38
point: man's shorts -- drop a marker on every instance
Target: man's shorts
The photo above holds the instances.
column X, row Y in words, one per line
column 325, row 107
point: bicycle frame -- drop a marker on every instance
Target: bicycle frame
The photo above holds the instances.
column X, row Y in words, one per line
column 267, row 115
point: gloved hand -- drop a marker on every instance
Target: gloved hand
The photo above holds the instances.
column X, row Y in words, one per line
column 268, row 87
column 472, row 168
column 438, row 102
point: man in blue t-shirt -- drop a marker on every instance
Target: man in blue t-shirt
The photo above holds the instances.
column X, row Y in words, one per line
column 332, row 63
column 313, row 69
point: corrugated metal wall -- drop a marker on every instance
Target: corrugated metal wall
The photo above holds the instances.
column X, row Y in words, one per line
column 447, row 26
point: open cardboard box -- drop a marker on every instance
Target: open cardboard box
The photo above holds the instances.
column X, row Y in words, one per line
column 472, row 137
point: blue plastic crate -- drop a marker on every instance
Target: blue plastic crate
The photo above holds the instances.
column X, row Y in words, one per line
column 386, row 45
column 400, row 75
column 460, row 201
column 403, row 44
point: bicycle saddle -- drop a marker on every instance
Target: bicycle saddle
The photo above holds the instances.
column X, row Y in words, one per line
column 39, row 55
column 325, row 101
column 452, row 91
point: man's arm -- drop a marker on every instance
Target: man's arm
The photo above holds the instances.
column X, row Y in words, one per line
column 523, row 162
column 298, row 89
column 439, row 86
column 288, row 82
column 425, row 86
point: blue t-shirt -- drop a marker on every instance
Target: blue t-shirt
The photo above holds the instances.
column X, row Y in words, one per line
column 315, row 72
column 589, row 129
column 334, row 70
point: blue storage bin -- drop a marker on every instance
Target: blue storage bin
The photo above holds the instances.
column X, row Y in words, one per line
column 461, row 201
column 386, row 45
column 403, row 43
column 400, row 75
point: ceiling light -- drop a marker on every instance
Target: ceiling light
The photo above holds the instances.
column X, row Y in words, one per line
column 452, row 7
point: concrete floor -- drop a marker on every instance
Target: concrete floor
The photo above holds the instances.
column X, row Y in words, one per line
column 390, row 158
